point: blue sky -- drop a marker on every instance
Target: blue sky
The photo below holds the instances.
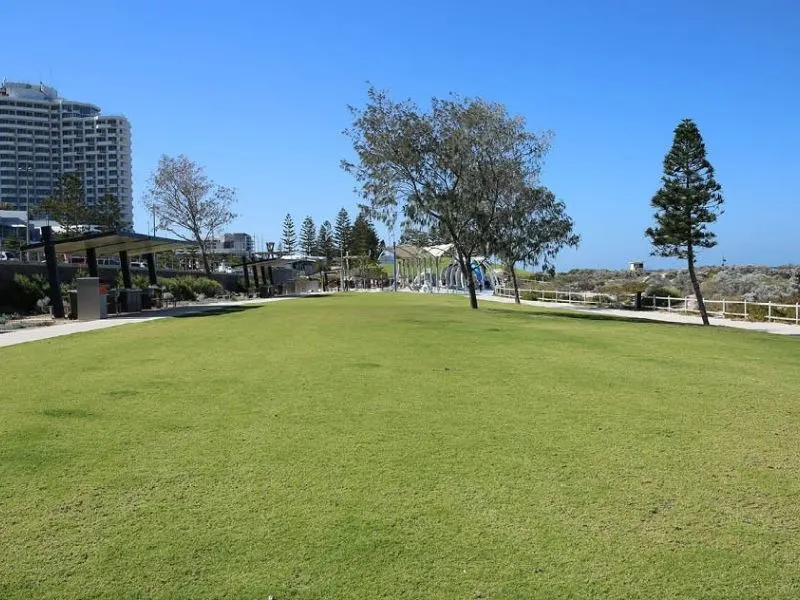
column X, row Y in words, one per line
column 257, row 93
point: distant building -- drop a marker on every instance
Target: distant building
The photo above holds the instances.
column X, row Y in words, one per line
column 14, row 222
column 231, row 243
column 43, row 136
column 636, row 267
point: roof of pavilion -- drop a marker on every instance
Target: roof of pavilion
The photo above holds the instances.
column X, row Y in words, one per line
column 283, row 261
column 113, row 242
column 410, row 251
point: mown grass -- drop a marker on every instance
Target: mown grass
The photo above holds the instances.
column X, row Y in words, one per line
column 387, row 446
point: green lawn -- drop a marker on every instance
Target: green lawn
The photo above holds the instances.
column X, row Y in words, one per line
column 400, row 446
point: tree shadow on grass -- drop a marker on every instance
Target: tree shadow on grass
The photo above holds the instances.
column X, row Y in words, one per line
column 184, row 312
column 213, row 312
column 585, row 314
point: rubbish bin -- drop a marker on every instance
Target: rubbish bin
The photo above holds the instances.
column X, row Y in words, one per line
column 73, row 304
column 111, row 305
column 90, row 300
column 103, row 301
column 155, row 296
column 147, row 299
column 130, row 300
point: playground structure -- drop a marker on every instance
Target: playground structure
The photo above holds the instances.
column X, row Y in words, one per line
column 434, row 269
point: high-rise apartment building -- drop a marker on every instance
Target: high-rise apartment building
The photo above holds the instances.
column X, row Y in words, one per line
column 43, row 136
column 231, row 243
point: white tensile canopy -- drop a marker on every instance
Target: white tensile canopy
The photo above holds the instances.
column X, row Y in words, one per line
column 410, row 252
column 422, row 266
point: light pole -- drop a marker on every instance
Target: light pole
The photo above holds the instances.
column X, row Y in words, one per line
column 27, row 170
column 394, row 263
column 341, row 268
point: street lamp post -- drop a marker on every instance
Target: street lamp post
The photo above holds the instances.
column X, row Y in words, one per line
column 394, row 263
column 27, row 170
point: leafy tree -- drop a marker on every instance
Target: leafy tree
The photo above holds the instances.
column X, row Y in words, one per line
column 531, row 227
column 687, row 202
column 67, row 203
column 365, row 240
column 446, row 168
column 107, row 214
column 410, row 233
column 325, row 243
column 308, row 236
column 342, row 231
column 288, row 237
column 188, row 203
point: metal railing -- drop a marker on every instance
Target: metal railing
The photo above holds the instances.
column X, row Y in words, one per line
column 726, row 309
column 568, row 297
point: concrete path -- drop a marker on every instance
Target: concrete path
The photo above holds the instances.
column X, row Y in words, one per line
column 661, row 316
column 32, row 334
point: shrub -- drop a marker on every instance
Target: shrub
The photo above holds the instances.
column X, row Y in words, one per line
column 206, row 286
column 180, row 287
column 240, row 286
column 27, row 291
column 65, row 288
column 140, row 281
column 756, row 312
column 188, row 288
column 664, row 292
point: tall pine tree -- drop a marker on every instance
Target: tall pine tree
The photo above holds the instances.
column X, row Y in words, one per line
column 289, row 237
column 325, row 243
column 342, row 231
column 107, row 214
column 308, row 234
column 364, row 239
column 67, row 203
column 688, row 201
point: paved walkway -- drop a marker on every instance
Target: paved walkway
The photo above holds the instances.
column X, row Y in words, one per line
column 32, row 334
column 662, row 316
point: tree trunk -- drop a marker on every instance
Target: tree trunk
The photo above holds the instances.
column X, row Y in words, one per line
column 473, row 297
column 701, row 305
column 204, row 257
column 514, row 280
column 464, row 263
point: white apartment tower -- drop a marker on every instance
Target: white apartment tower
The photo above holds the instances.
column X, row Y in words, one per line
column 43, row 136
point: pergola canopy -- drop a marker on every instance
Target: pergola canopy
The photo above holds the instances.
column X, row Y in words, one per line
column 114, row 242
column 283, row 261
column 409, row 251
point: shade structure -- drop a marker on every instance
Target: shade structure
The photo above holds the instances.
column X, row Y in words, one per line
column 114, row 242
column 409, row 251
column 283, row 261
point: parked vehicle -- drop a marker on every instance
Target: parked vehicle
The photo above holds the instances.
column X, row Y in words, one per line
column 5, row 255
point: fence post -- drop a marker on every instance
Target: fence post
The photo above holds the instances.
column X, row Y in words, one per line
column 686, row 304
column 745, row 309
column 797, row 314
column 769, row 311
column 723, row 308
